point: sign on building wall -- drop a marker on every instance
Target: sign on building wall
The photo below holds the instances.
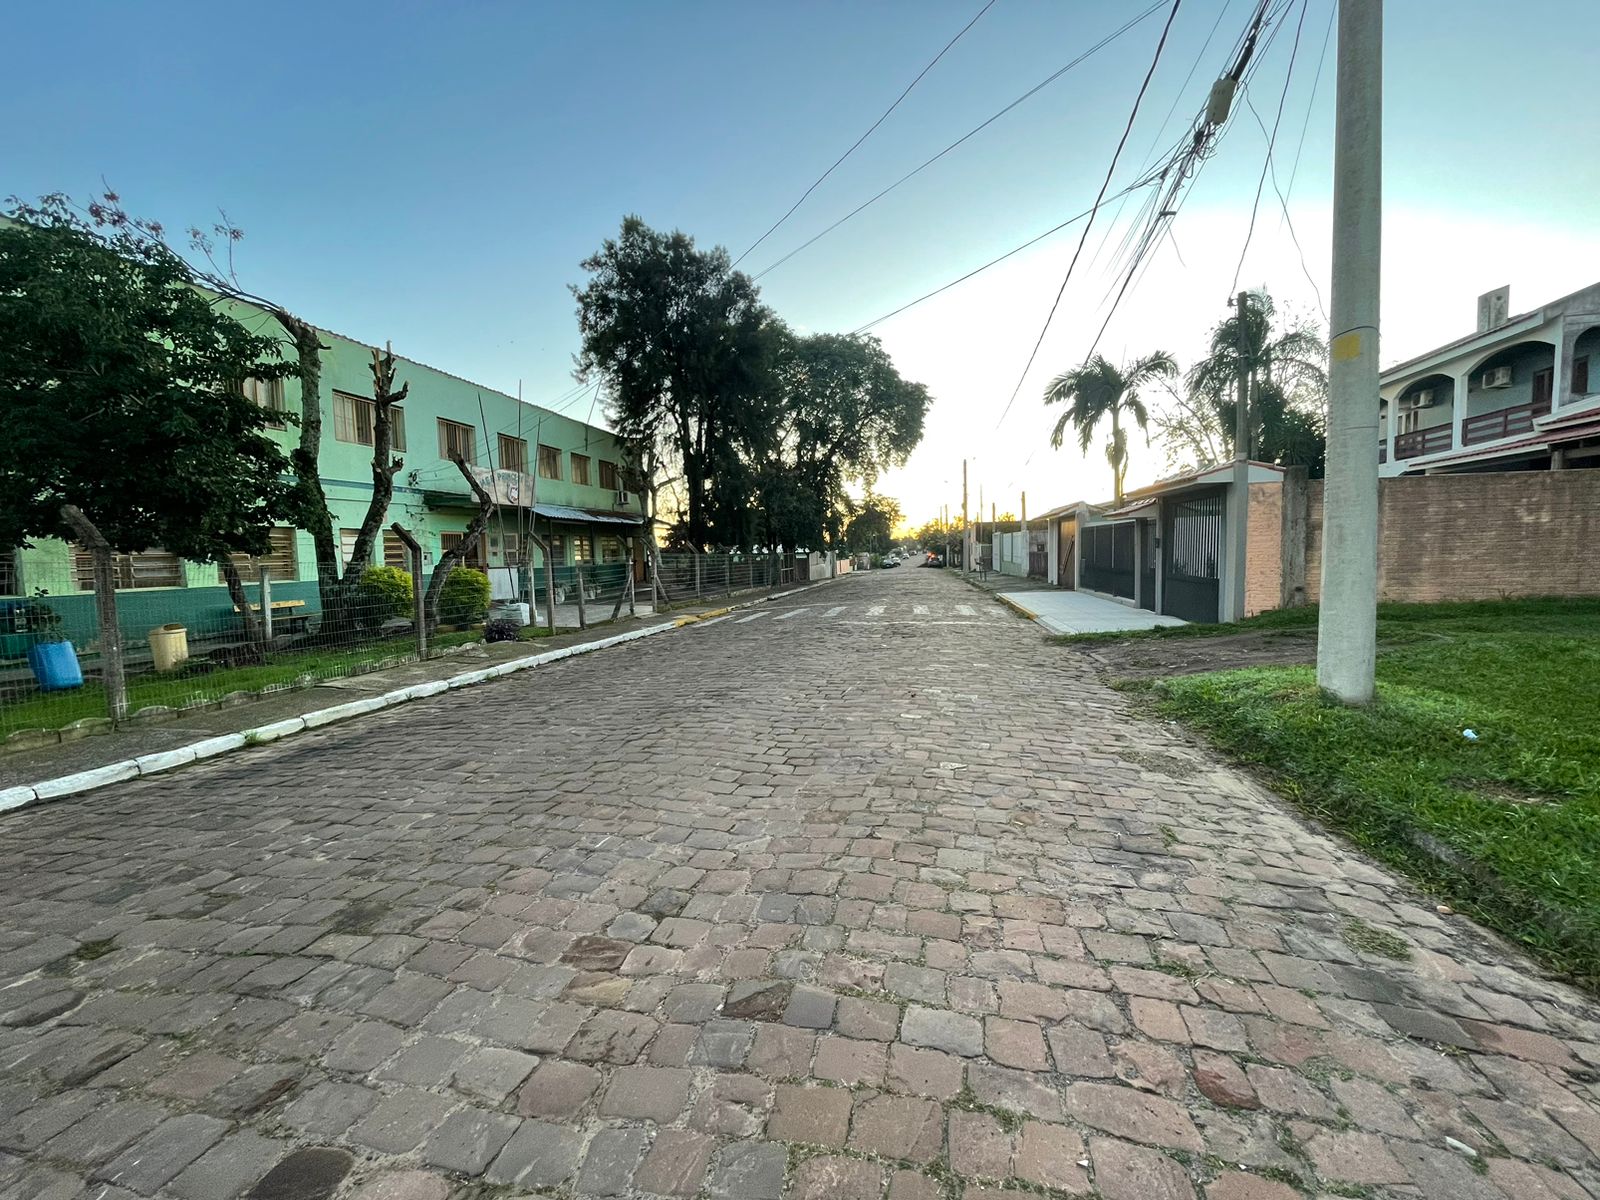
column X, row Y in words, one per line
column 511, row 488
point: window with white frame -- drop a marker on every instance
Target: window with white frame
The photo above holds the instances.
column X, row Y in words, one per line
column 267, row 394
column 355, row 421
column 549, row 462
column 457, row 441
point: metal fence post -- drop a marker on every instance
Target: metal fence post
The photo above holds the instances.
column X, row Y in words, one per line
column 419, row 607
column 266, row 605
column 112, row 672
column 583, row 612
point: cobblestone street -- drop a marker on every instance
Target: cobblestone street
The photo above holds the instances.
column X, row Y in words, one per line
column 831, row 904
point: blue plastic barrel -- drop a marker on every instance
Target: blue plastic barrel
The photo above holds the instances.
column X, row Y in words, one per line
column 55, row 666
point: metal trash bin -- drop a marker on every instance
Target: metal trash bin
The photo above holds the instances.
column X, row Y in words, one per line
column 169, row 646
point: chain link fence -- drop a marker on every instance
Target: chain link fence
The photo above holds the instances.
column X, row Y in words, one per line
column 186, row 645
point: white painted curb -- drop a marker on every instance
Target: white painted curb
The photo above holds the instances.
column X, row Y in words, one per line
column 166, row 760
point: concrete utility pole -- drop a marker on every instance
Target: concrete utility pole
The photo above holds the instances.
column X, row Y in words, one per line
column 1347, row 630
column 965, row 530
column 1239, row 535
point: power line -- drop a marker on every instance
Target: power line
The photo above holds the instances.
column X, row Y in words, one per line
column 1288, row 75
column 1283, row 201
column 1121, row 142
column 856, row 145
column 1054, row 229
column 1203, row 142
column 1322, row 58
column 1100, row 45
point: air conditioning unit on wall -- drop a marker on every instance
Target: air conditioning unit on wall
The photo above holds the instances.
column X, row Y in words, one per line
column 1423, row 399
column 623, row 499
column 1497, row 377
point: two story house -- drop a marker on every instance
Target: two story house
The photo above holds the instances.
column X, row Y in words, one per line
column 1520, row 394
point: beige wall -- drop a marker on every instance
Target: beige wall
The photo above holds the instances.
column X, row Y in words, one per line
column 1263, row 579
column 1476, row 537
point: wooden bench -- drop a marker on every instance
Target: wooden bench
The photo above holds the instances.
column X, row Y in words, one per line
column 287, row 616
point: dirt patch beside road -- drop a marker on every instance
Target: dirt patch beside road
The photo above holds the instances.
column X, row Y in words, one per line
column 1157, row 658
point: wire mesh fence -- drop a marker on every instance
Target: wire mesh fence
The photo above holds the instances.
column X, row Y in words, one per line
column 186, row 643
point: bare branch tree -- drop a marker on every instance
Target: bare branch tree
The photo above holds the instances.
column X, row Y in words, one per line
column 456, row 555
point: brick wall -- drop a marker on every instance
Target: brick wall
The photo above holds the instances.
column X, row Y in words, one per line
column 1263, row 577
column 1477, row 537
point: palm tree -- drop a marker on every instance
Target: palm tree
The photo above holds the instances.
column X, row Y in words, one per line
column 1098, row 389
column 1289, row 384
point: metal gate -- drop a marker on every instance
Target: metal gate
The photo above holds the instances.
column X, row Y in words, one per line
column 1108, row 559
column 1191, row 540
column 1147, row 565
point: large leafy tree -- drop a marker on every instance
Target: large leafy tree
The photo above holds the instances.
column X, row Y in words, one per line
column 845, row 416
column 1099, row 390
column 119, row 393
column 684, row 349
column 872, row 524
column 1288, row 365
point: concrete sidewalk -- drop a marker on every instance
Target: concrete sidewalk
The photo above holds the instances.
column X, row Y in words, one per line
column 1077, row 612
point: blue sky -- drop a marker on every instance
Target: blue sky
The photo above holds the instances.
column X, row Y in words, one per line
column 434, row 173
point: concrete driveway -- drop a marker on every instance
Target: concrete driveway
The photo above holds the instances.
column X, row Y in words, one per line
column 1078, row 612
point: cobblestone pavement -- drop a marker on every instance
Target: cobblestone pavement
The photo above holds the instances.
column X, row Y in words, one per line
column 905, row 909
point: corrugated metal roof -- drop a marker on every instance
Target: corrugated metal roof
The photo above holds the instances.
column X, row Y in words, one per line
column 560, row 512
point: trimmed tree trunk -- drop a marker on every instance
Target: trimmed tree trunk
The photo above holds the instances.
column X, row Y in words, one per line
column 252, row 620
column 312, row 513
column 453, row 557
column 384, row 468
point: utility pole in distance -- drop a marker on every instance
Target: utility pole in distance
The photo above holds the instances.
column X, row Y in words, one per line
column 965, row 534
column 1239, row 535
column 1347, row 625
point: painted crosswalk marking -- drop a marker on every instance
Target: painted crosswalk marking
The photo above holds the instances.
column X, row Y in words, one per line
column 873, row 614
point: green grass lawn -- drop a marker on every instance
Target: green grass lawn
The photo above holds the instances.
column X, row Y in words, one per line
column 1553, row 614
column 51, row 710
column 1505, row 827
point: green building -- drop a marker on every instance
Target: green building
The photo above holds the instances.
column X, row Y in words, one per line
column 557, row 477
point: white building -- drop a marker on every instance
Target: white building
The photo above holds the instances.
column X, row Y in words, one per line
column 1522, row 393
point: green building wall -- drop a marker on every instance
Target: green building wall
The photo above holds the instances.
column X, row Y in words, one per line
column 430, row 497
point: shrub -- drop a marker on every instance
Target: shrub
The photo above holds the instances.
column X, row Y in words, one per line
column 501, row 631
column 464, row 599
column 384, row 593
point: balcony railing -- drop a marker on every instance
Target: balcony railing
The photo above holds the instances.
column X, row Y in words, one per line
column 1421, row 441
column 1505, row 422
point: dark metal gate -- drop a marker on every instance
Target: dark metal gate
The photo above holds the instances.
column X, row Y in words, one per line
column 1108, row 558
column 1147, row 565
column 1191, row 540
